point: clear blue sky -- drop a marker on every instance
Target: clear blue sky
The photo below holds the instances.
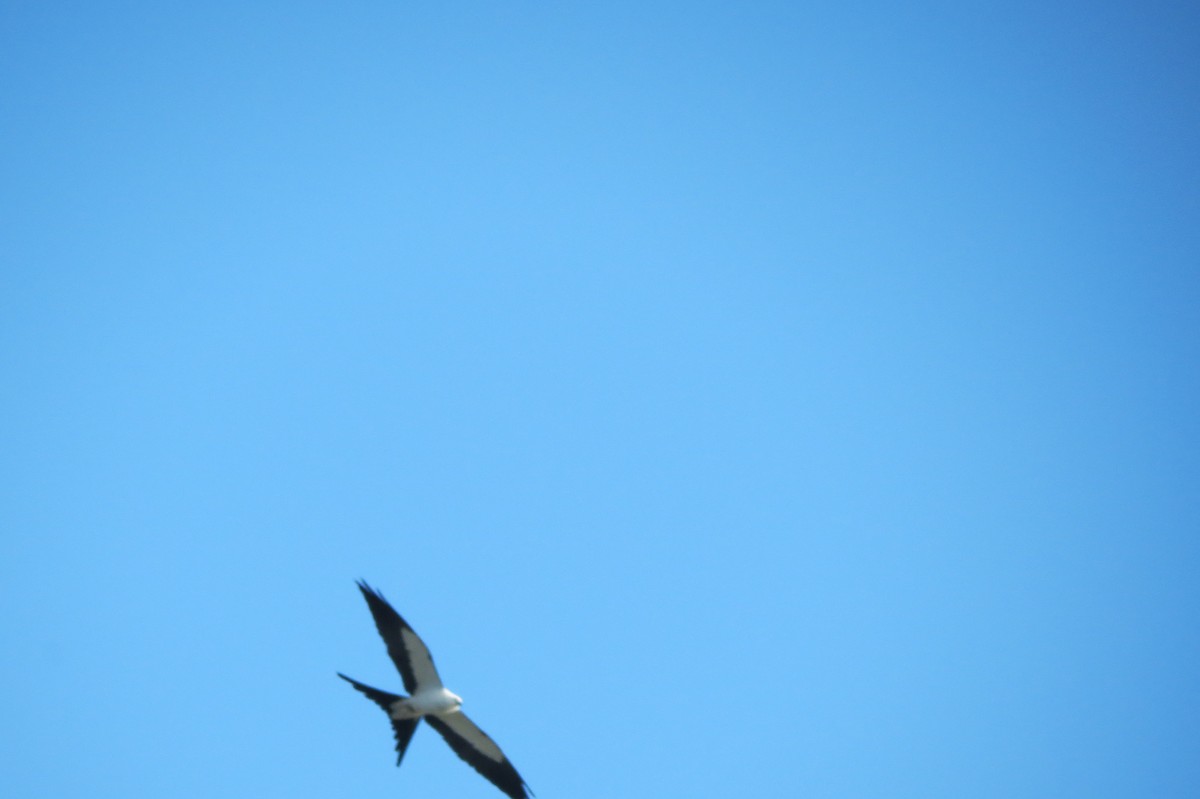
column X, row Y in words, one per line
column 742, row 399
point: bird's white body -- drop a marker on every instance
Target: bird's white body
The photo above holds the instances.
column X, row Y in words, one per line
column 435, row 699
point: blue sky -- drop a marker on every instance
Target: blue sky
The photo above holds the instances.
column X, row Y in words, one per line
column 764, row 399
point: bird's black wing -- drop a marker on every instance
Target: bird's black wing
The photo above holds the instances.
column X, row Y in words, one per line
column 404, row 646
column 481, row 752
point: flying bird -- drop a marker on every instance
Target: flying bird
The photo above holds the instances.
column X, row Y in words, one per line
column 428, row 699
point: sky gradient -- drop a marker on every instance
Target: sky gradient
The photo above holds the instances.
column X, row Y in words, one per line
column 756, row 399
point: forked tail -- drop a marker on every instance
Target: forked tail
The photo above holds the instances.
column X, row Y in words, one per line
column 403, row 728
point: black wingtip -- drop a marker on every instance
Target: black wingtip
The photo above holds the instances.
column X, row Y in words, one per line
column 374, row 597
column 369, row 592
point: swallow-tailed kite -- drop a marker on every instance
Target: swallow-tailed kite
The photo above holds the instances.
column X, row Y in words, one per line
column 428, row 699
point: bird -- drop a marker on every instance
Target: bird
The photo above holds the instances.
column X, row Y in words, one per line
column 430, row 700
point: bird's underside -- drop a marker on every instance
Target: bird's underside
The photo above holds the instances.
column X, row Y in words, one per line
column 428, row 699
